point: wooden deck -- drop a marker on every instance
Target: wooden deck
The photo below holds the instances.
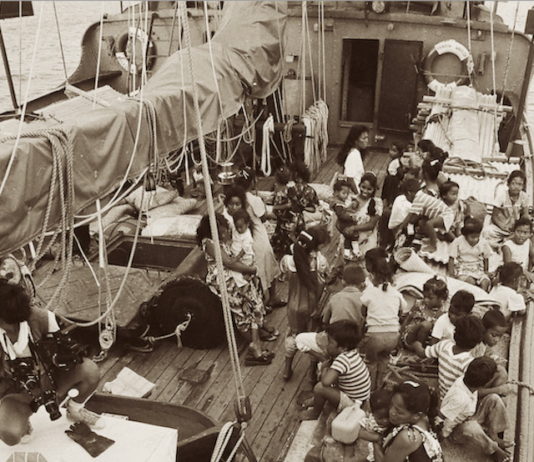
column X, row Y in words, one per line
column 203, row 379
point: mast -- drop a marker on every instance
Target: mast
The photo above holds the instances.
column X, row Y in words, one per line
column 9, row 77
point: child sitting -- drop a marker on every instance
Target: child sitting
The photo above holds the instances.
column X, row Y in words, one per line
column 518, row 248
column 469, row 256
column 242, row 240
column 346, row 304
column 461, row 305
column 283, row 235
column 347, row 379
column 468, row 418
column 449, row 194
column 453, row 358
column 421, row 319
column 505, row 292
column 395, row 173
column 495, row 326
column 428, row 212
column 345, row 210
column 377, row 422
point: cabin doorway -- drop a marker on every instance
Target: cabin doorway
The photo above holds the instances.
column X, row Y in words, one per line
column 398, row 95
column 359, row 71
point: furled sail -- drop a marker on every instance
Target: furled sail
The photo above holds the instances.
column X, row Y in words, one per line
column 245, row 57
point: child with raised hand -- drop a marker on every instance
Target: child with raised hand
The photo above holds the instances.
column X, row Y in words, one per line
column 307, row 269
column 462, row 303
column 469, row 256
column 470, row 419
column 376, row 423
column 449, row 194
column 381, row 305
column 347, row 304
column 518, row 248
column 511, row 303
column 454, row 356
column 346, row 380
column 411, row 437
column 419, row 322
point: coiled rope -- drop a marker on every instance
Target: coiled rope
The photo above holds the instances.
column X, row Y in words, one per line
column 268, row 130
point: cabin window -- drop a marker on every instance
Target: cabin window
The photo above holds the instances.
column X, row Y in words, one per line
column 359, row 70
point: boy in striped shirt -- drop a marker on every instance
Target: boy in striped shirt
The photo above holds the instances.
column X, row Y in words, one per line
column 428, row 212
column 346, row 380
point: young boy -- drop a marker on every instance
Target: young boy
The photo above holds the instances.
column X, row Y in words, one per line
column 375, row 425
column 495, row 326
column 346, row 218
column 461, row 305
column 428, row 212
column 347, row 378
column 453, row 358
column 346, row 304
column 470, row 418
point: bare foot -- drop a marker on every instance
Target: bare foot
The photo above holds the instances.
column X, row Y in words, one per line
column 500, row 455
column 308, row 403
column 310, row 414
column 505, row 444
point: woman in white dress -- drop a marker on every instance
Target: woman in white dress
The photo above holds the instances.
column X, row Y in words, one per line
column 350, row 155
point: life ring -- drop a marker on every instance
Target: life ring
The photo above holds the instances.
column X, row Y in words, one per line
column 124, row 54
column 441, row 48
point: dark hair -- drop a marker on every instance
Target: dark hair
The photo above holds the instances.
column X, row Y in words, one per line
column 378, row 264
column 410, row 185
column 431, row 169
column 445, row 188
column 399, row 145
column 236, row 191
column 494, row 318
column 354, row 135
column 15, row 303
column 308, row 241
column 414, row 171
column 380, row 399
column 516, row 174
column 241, row 214
column 341, row 184
column 509, row 273
column 437, row 286
column 282, row 175
column 300, row 169
column 472, row 226
column 469, row 332
column 426, row 145
column 523, row 221
column 353, row 274
column 434, row 152
column 245, row 178
column 415, row 395
column 346, row 333
column 370, row 177
column 480, row 371
column 204, row 229
column 463, row 301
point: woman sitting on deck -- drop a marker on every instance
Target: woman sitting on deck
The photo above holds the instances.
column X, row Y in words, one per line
column 245, row 300
column 304, row 200
column 350, row 155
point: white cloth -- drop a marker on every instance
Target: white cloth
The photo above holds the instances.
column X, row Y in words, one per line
column 354, row 166
column 509, row 300
column 257, row 204
column 443, row 328
column 399, row 211
column 458, row 405
column 243, row 242
column 383, row 308
column 520, row 253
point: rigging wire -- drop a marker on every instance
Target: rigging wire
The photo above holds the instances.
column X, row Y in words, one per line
column 509, row 55
column 61, row 45
column 97, row 74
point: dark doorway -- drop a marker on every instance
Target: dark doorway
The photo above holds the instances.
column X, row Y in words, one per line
column 398, row 95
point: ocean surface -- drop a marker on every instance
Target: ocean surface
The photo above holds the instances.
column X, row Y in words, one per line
column 35, row 51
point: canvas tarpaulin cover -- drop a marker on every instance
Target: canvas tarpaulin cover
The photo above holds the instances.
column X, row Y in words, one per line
column 247, row 61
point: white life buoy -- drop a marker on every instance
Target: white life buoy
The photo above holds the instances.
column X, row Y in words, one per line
column 123, row 50
column 441, row 48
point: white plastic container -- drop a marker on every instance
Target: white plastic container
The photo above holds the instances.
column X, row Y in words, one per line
column 346, row 426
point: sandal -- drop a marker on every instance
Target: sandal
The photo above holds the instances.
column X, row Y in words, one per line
column 264, row 360
column 271, row 334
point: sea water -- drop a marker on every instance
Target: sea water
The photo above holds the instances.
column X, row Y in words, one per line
column 42, row 56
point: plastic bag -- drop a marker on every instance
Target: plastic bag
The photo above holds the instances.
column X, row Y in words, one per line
column 346, row 426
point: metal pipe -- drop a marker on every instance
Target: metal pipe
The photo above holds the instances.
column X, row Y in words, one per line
column 9, row 77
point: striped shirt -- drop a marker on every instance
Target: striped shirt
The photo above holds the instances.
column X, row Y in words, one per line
column 430, row 207
column 354, row 379
column 450, row 365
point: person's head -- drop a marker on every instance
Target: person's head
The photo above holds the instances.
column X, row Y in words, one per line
column 245, row 179
column 406, row 157
column 313, row 239
column 469, row 332
column 281, row 178
column 15, row 304
column 368, row 185
column 479, row 372
column 516, row 181
column 462, row 303
column 431, row 169
column 379, row 266
column 412, row 173
column 358, row 138
column 509, row 274
column 410, row 402
column 300, row 172
column 495, row 326
column 204, row 229
column 435, row 292
column 449, row 192
column 396, row 149
column 241, row 220
column 426, row 146
column 354, row 275
column 342, row 190
column 471, row 231
column 380, row 401
column 10, row 270
column 342, row 336
column 409, row 188
column 522, row 230
column 235, row 199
